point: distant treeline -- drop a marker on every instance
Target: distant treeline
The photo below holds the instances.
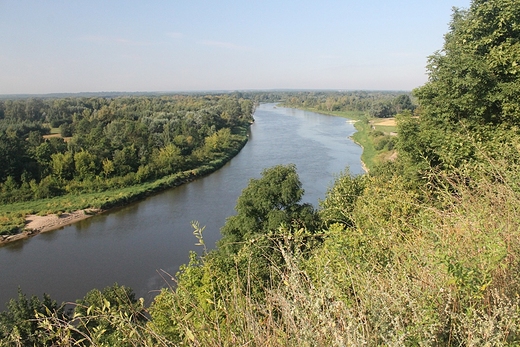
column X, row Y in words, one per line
column 375, row 104
column 101, row 143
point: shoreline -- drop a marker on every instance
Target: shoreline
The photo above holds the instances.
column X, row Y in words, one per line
column 363, row 165
column 35, row 224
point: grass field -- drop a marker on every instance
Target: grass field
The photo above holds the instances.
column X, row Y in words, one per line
column 386, row 125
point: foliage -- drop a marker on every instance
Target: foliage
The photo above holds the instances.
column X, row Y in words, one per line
column 266, row 203
column 340, row 199
column 19, row 326
column 473, row 85
column 423, row 251
column 114, row 139
column 123, row 142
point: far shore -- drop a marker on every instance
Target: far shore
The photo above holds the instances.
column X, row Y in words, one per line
column 35, row 224
column 39, row 224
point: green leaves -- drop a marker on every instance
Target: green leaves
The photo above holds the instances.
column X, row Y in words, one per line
column 266, row 203
column 473, row 82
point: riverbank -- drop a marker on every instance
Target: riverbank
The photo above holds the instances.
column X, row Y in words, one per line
column 364, row 137
column 34, row 217
column 40, row 224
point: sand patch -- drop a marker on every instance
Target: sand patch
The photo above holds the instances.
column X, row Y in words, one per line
column 53, row 221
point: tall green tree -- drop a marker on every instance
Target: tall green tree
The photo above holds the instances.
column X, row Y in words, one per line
column 473, row 84
column 268, row 202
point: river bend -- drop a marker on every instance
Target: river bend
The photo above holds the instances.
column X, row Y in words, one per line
column 131, row 245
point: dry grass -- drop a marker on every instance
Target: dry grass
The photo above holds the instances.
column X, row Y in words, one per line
column 389, row 122
column 66, row 139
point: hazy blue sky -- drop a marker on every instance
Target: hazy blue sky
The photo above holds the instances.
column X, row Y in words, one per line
column 182, row 45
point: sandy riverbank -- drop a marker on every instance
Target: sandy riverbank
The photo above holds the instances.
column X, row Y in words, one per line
column 35, row 224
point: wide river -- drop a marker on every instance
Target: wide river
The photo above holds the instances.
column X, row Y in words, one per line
column 134, row 245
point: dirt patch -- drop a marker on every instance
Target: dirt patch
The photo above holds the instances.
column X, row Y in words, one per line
column 387, row 122
column 66, row 139
column 40, row 224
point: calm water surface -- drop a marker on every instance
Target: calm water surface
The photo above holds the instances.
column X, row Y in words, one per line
column 135, row 244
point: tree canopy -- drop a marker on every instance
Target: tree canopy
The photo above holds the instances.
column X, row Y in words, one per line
column 473, row 84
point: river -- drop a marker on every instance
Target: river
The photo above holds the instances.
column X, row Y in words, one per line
column 134, row 245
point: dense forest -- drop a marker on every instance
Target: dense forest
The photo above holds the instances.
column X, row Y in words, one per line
column 104, row 143
column 101, row 144
column 423, row 251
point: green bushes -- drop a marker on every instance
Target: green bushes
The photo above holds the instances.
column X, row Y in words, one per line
column 394, row 263
column 402, row 271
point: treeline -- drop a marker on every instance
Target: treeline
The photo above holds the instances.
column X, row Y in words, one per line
column 379, row 104
column 375, row 104
column 106, row 143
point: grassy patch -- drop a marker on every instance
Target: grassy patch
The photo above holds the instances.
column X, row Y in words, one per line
column 386, row 129
column 362, row 138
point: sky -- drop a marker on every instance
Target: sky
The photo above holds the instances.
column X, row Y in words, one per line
column 65, row 46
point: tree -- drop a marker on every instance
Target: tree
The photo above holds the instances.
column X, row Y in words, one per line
column 403, row 103
column 19, row 326
column 85, row 164
column 167, row 160
column 63, row 165
column 65, row 130
column 125, row 160
column 473, row 83
column 268, row 202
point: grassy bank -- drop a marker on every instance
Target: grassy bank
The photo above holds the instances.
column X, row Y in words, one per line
column 12, row 216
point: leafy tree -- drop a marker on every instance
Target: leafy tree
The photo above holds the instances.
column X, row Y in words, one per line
column 19, row 324
column 125, row 160
column 85, row 165
column 65, row 130
column 167, row 160
column 63, row 165
column 403, row 103
column 473, row 84
column 268, row 202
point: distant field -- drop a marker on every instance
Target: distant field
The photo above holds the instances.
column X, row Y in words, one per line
column 389, row 122
column 386, row 125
